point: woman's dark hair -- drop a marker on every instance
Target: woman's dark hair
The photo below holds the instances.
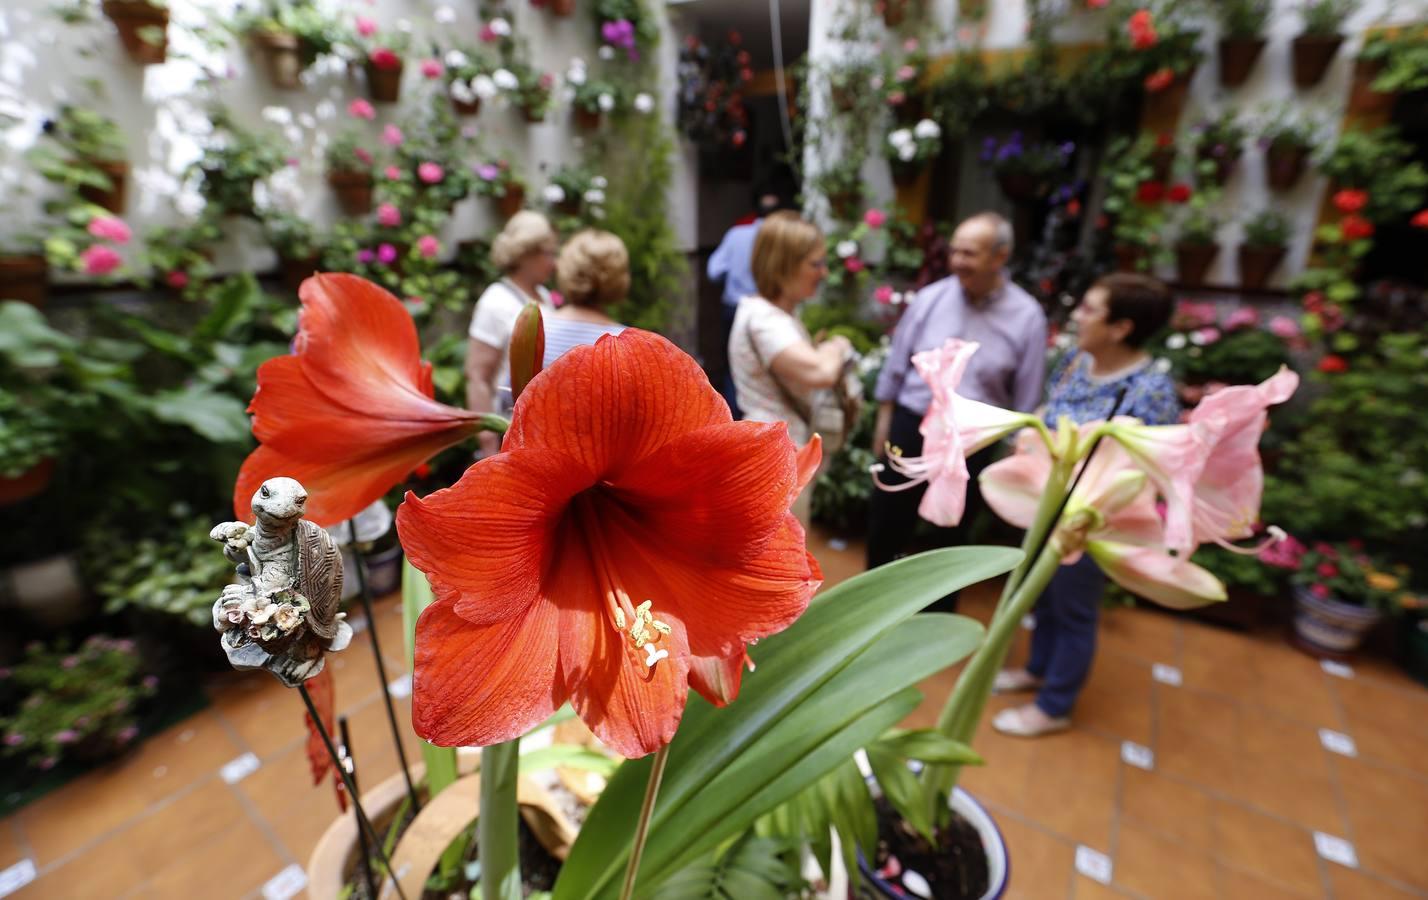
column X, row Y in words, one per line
column 1139, row 299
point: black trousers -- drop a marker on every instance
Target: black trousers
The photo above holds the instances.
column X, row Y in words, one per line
column 892, row 515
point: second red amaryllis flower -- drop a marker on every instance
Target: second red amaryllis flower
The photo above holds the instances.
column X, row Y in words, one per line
column 351, row 411
column 625, row 545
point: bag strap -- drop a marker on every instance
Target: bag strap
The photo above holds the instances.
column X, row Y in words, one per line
column 804, row 414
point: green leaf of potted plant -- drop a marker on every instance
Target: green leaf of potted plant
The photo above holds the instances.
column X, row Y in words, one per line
column 1393, row 62
column 1266, row 237
column 1219, row 142
column 84, row 153
column 232, row 162
column 592, row 99
column 290, row 36
column 143, row 28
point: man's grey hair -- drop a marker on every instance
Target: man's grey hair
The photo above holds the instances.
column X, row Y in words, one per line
column 1002, row 235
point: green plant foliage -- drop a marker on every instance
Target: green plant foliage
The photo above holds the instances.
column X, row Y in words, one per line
column 177, row 573
column 1403, row 55
column 234, row 159
column 1382, row 163
column 751, row 868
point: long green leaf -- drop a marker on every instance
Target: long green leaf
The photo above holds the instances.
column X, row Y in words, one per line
column 417, row 596
column 497, row 829
column 729, row 766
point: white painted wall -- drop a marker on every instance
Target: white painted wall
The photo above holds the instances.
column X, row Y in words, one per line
column 1269, row 87
column 44, row 62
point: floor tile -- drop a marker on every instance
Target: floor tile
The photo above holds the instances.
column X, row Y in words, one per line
column 1260, row 845
column 1288, row 792
column 12, row 849
column 266, row 717
column 104, row 871
column 1388, row 815
column 1086, row 889
column 1273, row 740
column 283, row 794
column 1005, row 777
column 1042, row 865
column 1157, row 803
column 1117, row 698
column 1198, row 758
column 1145, row 634
column 184, row 826
column 1237, row 885
column 1350, row 884
column 1072, row 786
column 1393, row 707
column 1292, row 684
column 1158, row 867
column 1185, row 710
column 235, row 880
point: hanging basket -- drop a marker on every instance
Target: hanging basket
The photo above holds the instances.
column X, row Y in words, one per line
column 562, row 8
column 143, row 29
column 1130, row 258
column 354, row 191
column 1165, row 105
column 585, row 119
column 25, row 278
column 112, row 198
column 384, row 85
column 1257, row 264
column 1237, row 58
column 282, row 57
column 512, row 201
column 1362, row 97
column 1193, row 261
column 465, row 108
column 1284, row 164
column 1312, row 54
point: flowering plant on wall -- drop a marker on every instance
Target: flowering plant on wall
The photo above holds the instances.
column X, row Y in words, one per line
column 1026, row 170
column 1382, row 164
column 903, row 88
column 180, row 257
column 87, row 240
column 1135, row 201
column 497, row 179
column 234, row 159
column 910, row 149
column 467, row 72
column 711, row 103
column 576, row 196
column 626, row 29
column 1329, row 285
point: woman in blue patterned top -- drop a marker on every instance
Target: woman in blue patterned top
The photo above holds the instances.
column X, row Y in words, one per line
column 1110, row 373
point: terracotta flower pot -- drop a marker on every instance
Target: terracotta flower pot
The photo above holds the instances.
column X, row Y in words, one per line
column 464, row 108
column 562, row 8
column 354, row 191
column 1257, row 264
column 1326, row 626
column 1284, row 164
column 1129, row 257
column 117, row 171
column 843, row 99
column 512, row 201
column 585, row 119
column 1237, row 58
column 25, row 278
column 384, row 85
column 1312, row 54
column 282, row 57
column 1162, row 159
column 29, row 483
column 1362, row 97
column 1019, row 187
column 137, row 21
column 845, row 204
column 1165, row 105
column 1193, row 261
column 533, row 115
column 895, row 12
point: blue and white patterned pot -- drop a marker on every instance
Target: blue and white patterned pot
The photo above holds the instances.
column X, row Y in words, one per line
column 1329, row 625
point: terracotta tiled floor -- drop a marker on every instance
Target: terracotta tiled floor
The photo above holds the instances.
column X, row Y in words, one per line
column 1239, row 784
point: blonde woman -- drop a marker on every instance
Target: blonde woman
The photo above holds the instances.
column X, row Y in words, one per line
column 777, row 369
column 593, row 273
column 525, row 251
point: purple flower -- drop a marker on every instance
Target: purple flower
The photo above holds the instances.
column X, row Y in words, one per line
column 69, row 662
column 151, row 681
column 4, row 672
column 386, row 254
column 125, row 645
column 487, row 172
column 68, row 736
column 14, row 739
column 127, row 734
column 365, row 256
column 619, row 33
column 47, row 763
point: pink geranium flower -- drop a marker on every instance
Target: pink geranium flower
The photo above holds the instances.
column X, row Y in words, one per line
column 854, row 265
column 392, row 173
column 386, row 254
column 953, row 428
column 1244, row 317
column 385, row 58
column 100, row 260
column 366, row 26
column 430, row 173
column 875, row 218
column 108, row 228
column 392, row 136
column 361, row 109
column 177, row 279
column 1284, row 328
column 883, row 293
column 431, row 68
column 428, row 246
column 388, row 215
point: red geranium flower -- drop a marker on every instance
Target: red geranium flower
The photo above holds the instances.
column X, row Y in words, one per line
column 385, row 58
column 1350, row 201
column 1159, row 80
column 1327, row 570
column 1150, row 192
column 626, row 545
column 1420, row 219
column 1333, row 363
column 350, row 412
column 1164, row 139
column 1179, row 193
column 1355, row 228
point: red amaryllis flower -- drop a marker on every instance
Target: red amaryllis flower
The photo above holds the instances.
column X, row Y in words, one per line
column 1350, row 201
column 1179, row 193
column 1150, row 192
column 1355, row 228
column 350, row 412
column 1159, row 80
column 626, row 545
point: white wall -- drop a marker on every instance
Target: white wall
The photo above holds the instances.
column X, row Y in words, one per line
column 1269, row 87
column 44, row 62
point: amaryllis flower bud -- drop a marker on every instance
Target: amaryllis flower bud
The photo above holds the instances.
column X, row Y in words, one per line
column 527, row 348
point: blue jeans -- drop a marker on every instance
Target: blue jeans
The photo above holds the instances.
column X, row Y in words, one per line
column 1064, row 641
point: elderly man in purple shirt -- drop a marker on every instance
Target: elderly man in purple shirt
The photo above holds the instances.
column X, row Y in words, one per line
column 978, row 303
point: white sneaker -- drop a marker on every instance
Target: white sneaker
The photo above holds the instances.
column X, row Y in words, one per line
column 1028, row 721
column 1012, row 681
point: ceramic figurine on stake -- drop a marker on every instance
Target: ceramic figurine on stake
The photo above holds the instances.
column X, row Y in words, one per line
column 283, row 615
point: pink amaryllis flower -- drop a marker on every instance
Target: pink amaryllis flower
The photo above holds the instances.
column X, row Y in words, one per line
column 953, row 428
column 1111, row 515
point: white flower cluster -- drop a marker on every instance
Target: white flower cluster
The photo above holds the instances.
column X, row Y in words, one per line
column 918, row 142
column 576, row 74
column 499, row 27
column 505, row 80
column 553, row 194
column 644, row 103
column 846, row 249
column 606, row 101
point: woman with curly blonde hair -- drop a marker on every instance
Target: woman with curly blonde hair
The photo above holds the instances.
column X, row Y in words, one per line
column 593, row 274
column 525, row 252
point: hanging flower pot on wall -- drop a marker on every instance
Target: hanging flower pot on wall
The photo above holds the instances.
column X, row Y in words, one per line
column 1165, row 105
column 282, row 57
column 1312, row 54
column 895, row 11
column 466, row 107
column 587, row 120
column 1130, row 258
column 384, row 80
column 1362, row 97
column 143, row 29
column 1193, row 261
column 1257, row 264
column 113, row 197
column 1237, row 58
column 1224, row 162
column 354, row 191
column 512, row 201
column 25, row 277
column 562, row 8
column 1284, row 164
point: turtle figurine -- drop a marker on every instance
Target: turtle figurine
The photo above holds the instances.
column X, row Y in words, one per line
column 282, row 614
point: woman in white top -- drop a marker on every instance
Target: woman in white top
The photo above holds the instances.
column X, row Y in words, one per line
column 775, row 365
column 525, row 251
column 593, row 273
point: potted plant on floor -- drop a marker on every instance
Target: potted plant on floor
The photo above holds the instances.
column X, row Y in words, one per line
column 1340, row 594
column 1219, row 142
column 1287, row 140
column 233, row 161
column 1393, row 62
column 1242, row 24
column 1314, row 48
column 80, row 705
column 1263, row 248
column 349, row 172
column 84, row 153
column 143, row 28
column 498, row 181
column 911, row 150
column 290, row 36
